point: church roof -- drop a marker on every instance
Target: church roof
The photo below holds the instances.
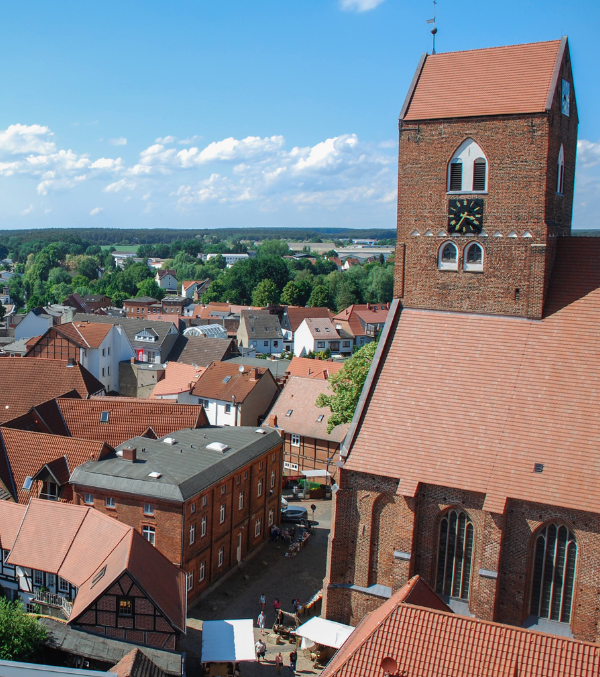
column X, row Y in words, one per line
column 502, row 406
column 494, row 81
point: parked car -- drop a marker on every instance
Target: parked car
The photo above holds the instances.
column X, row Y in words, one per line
column 294, row 515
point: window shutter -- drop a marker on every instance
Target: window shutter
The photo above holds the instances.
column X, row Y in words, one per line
column 479, row 175
column 456, row 176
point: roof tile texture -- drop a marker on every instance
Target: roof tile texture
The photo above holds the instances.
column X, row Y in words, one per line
column 429, row 643
column 307, row 368
column 372, row 313
column 213, row 384
column 84, row 334
column 495, row 81
column 474, row 402
column 297, row 314
column 179, row 378
column 31, row 381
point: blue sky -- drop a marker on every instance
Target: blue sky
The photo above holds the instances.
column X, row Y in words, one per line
column 240, row 112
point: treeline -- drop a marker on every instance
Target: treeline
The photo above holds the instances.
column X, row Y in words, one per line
column 137, row 236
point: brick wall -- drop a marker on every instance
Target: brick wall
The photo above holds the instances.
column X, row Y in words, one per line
column 312, row 454
column 371, row 523
column 522, row 153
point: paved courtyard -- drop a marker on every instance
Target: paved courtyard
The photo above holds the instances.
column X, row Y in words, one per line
column 275, row 575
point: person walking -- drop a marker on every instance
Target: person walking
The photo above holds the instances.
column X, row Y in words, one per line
column 276, row 605
column 293, row 661
column 257, row 649
column 278, row 662
column 262, row 619
column 263, row 602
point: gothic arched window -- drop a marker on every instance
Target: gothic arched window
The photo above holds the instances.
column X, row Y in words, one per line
column 553, row 583
column 455, row 554
column 467, row 169
column 560, row 182
column 448, row 256
column 473, row 257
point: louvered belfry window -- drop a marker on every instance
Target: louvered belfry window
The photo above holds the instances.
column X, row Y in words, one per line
column 479, row 174
column 455, row 555
column 554, row 573
column 456, row 176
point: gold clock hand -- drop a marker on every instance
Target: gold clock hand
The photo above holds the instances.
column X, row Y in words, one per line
column 463, row 218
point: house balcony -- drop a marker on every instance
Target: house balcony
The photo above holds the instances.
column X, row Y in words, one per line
column 51, row 604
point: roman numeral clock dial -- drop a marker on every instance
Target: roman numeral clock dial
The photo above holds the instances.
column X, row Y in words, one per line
column 465, row 215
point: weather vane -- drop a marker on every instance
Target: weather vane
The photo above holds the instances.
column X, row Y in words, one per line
column 434, row 29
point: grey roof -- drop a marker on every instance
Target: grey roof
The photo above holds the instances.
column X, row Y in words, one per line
column 98, row 647
column 200, row 350
column 131, row 326
column 261, row 324
column 18, row 346
column 215, row 331
column 276, row 367
column 187, row 467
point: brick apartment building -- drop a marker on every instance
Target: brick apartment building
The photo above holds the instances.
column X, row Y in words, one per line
column 472, row 456
column 205, row 498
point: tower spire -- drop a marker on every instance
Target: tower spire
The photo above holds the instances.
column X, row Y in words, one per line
column 434, row 29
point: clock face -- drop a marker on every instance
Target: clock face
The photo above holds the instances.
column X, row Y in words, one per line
column 465, row 215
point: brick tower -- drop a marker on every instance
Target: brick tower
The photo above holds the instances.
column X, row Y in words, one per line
column 485, row 178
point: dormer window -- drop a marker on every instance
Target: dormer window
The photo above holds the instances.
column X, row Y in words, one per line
column 560, row 183
column 448, row 256
column 467, row 170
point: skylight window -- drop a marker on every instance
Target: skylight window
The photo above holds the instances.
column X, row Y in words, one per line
column 317, row 329
column 27, row 483
column 227, row 379
column 98, row 576
column 290, row 412
column 320, row 418
column 104, row 416
column 217, row 446
column 154, row 475
column 327, row 329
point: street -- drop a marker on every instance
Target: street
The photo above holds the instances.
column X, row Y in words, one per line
column 270, row 573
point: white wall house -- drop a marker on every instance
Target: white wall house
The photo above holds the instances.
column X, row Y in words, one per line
column 166, row 280
column 35, row 323
column 316, row 334
column 103, row 361
column 230, row 259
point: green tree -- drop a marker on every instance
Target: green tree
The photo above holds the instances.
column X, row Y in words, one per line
column 150, row 287
column 2, row 312
column 265, row 293
column 319, row 297
column 347, row 385
column 57, row 275
column 291, row 295
column 274, row 248
column 21, row 635
column 35, row 301
column 59, row 292
column 88, row 266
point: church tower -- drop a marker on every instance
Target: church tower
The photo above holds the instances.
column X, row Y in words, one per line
column 485, row 178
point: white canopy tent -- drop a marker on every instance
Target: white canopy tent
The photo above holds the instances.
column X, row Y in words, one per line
column 315, row 473
column 321, row 631
column 228, row 641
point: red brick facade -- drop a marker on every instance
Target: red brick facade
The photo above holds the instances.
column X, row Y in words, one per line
column 217, row 549
column 522, row 154
column 378, row 525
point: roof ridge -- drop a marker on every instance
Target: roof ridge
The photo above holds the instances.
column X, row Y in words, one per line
column 487, row 49
column 59, row 567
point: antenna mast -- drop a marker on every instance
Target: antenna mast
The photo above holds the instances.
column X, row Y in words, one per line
column 434, row 29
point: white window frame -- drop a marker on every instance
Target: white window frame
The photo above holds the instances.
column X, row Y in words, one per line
column 189, row 580
column 295, row 440
column 228, row 409
column 204, row 501
column 88, row 499
column 444, row 265
column 221, row 556
column 468, row 151
column 222, row 513
column 257, row 527
column 259, row 488
column 271, row 517
column 193, row 508
column 470, row 267
column 203, row 522
column 272, row 478
column 38, row 577
column 109, row 502
column 192, row 534
column 149, row 530
column 202, row 572
column 241, row 501
column 148, row 509
column 63, row 585
column 51, row 580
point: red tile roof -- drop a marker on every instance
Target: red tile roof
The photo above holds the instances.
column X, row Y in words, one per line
column 179, row 378
column 23, row 453
column 369, row 313
column 11, row 516
column 84, row 334
column 27, row 382
column 518, row 392
column 321, row 328
column 136, row 664
column 428, row 643
column 76, row 542
column 223, row 380
column 307, row 368
column 495, row 81
column 162, row 273
column 297, row 314
column 127, row 417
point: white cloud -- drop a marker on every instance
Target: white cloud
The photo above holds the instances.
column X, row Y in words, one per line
column 588, row 153
column 26, row 211
column 121, row 141
column 165, row 139
column 26, row 139
column 108, row 164
column 359, row 5
column 239, row 149
column 96, row 211
column 118, row 186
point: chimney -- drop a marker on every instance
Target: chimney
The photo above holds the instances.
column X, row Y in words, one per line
column 129, row 454
column 254, row 374
column 273, row 421
column 71, row 362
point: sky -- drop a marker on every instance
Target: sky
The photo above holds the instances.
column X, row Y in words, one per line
column 276, row 113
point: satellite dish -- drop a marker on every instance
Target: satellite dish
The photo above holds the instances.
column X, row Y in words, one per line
column 389, row 665
column 241, row 368
column 334, row 489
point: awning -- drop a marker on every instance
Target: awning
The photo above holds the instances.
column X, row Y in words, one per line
column 315, row 473
column 322, row 631
column 228, row 641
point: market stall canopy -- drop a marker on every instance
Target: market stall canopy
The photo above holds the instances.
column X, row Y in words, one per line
column 228, row 641
column 315, row 473
column 324, row 632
